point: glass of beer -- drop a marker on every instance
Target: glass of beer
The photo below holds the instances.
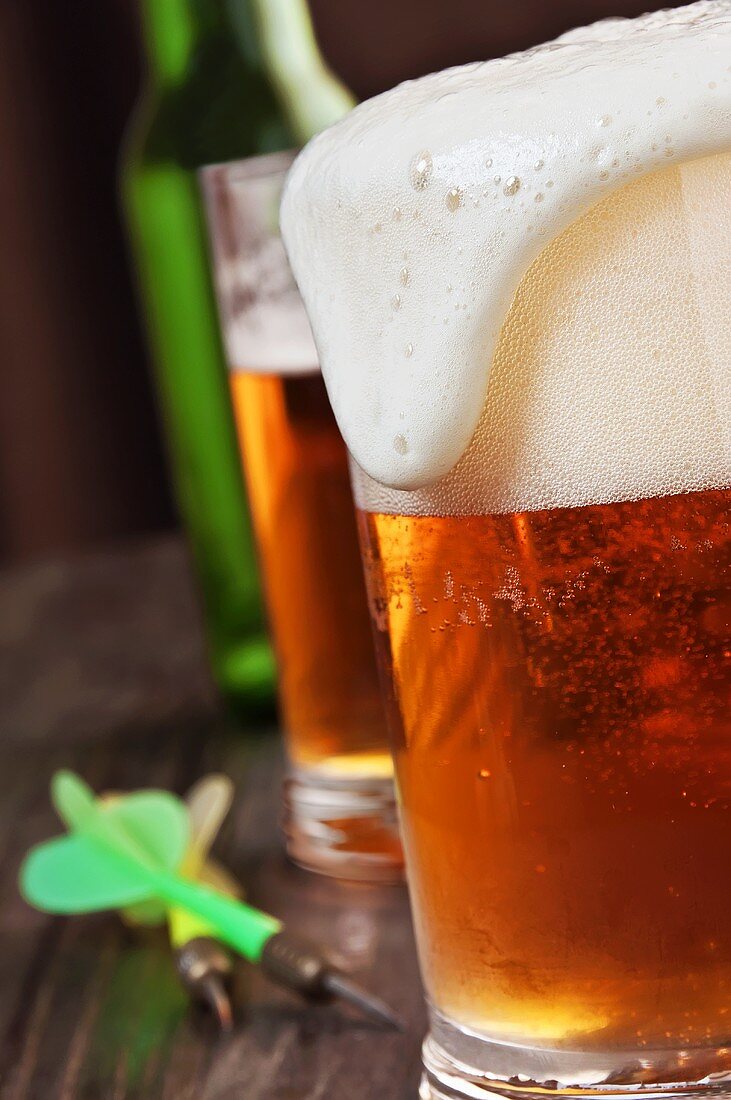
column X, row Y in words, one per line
column 340, row 817
column 528, row 351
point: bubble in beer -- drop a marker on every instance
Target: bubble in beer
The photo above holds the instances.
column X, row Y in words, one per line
column 453, row 199
column 400, row 445
column 512, row 185
column 421, row 170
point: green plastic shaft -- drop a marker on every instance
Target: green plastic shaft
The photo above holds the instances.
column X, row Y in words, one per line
column 234, row 923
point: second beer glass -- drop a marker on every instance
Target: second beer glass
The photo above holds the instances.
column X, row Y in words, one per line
column 339, row 810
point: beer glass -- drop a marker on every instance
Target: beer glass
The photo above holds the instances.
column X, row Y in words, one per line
column 339, row 808
column 551, row 612
column 558, row 676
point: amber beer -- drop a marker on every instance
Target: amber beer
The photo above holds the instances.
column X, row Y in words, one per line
column 561, row 708
column 340, row 815
column 559, row 696
column 296, row 473
column 559, row 675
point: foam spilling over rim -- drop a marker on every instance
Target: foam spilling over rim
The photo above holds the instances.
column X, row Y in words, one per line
column 435, row 185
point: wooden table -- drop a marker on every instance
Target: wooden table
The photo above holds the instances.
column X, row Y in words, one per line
column 102, row 670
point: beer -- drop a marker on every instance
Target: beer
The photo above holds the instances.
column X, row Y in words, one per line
column 340, row 815
column 559, row 698
column 519, row 278
column 562, row 731
column 296, row 471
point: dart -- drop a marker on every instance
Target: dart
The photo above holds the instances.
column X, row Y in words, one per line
column 202, row 964
column 130, row 851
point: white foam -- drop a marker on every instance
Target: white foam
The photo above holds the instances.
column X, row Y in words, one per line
column 410, row 225
column 263, row 320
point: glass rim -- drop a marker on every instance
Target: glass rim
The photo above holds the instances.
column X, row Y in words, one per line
column 235, row 173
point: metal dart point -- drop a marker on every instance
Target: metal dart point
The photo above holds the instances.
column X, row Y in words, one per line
column 301, row 966
column 204, row 969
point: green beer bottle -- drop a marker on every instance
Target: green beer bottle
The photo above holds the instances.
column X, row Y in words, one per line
column 226, row 79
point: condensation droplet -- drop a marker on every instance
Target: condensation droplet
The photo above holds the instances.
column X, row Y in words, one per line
column 496, row 179
column 604, row 120
column 400, row 445
column 453, row 199
column 660, row 100
column 421, row 170
column 403, row 276
column 549, row 183
column 712, row 85
column 512, row 186
column 409, row 350
column 669, row 152
column 538, row 165
column 396, row 301
column 488, row 162
column 397, row 213
column 538, row 196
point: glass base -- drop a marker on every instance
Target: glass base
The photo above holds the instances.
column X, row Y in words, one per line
column 344, row 827
column 464, row 1065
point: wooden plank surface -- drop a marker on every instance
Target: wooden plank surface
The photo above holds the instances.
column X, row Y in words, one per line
column 103, row 671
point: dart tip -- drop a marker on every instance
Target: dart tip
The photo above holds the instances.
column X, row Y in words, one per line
column 372, row 1006
column 212, row 992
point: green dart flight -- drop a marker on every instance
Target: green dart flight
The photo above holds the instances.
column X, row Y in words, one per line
column 125, row 852
column 129, row 850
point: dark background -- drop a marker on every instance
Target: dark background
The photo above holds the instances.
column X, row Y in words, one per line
column 80, row 449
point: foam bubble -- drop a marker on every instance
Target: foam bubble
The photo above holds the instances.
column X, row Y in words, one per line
column 559, row 436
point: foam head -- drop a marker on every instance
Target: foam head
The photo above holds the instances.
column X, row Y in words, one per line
column 515, row 271
column 264, row 324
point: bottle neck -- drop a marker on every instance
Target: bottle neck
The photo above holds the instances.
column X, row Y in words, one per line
column 273, row 43
column 311, row 95
column 171, row 29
